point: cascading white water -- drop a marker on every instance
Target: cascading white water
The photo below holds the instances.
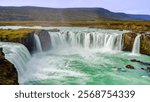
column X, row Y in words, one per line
column 18, row 55
column 104, row 40
column 38, row 43
column 73, row 63
column 136, row 45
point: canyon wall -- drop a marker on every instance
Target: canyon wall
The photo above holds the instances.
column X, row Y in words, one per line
column 28, row 39
column 45, row 39
column 145, row 44
column 128, row 40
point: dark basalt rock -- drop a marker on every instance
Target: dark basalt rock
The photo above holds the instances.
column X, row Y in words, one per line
column 54, row 30
column 148, row 69
column 45, row 39
column 129, row 66
column 134, row 60
column 28, row 41
column 8, row 73
column 1, row 52
column 142, row 68
column 144, row 63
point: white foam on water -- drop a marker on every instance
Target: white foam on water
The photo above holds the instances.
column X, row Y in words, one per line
column 18, row 55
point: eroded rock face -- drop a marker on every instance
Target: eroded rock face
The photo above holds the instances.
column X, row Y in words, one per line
column 28, row 41
column 45, row 39
column 8, row 73
column 145, row 44
column 128, row 41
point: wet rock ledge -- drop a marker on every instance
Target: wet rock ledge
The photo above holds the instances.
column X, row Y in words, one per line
column 128, row 41
column 8, row 73
column 26, row 37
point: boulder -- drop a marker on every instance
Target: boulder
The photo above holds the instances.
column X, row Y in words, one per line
column 142, row 68
column 129, row 67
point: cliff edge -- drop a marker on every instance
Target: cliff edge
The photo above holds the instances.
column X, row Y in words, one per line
column 8, row 73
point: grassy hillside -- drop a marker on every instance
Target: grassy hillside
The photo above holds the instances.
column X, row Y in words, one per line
column 63, row 14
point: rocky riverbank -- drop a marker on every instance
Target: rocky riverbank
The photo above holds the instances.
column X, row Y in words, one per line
column 8, row 73
column 26, row 37
column 129, row 38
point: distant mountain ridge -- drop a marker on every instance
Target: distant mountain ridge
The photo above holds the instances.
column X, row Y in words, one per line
column 29, row 13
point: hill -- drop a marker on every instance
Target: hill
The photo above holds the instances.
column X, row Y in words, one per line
column 28, row 13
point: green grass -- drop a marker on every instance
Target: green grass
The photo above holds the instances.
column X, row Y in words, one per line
column 10, row 35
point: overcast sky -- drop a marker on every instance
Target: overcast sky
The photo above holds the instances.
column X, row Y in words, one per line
column 127, row 6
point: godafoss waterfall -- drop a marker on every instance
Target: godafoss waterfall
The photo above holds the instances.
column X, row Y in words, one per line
column 80, row 56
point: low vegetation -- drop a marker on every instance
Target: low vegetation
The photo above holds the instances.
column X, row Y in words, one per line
column 10, row 35
column 138, row 26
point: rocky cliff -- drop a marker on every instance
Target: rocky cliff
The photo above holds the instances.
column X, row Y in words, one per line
column 128, row 40
column 45, row 39
column 8, row 73
column 145, row 44
column 28, row 41
column 26, row 37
